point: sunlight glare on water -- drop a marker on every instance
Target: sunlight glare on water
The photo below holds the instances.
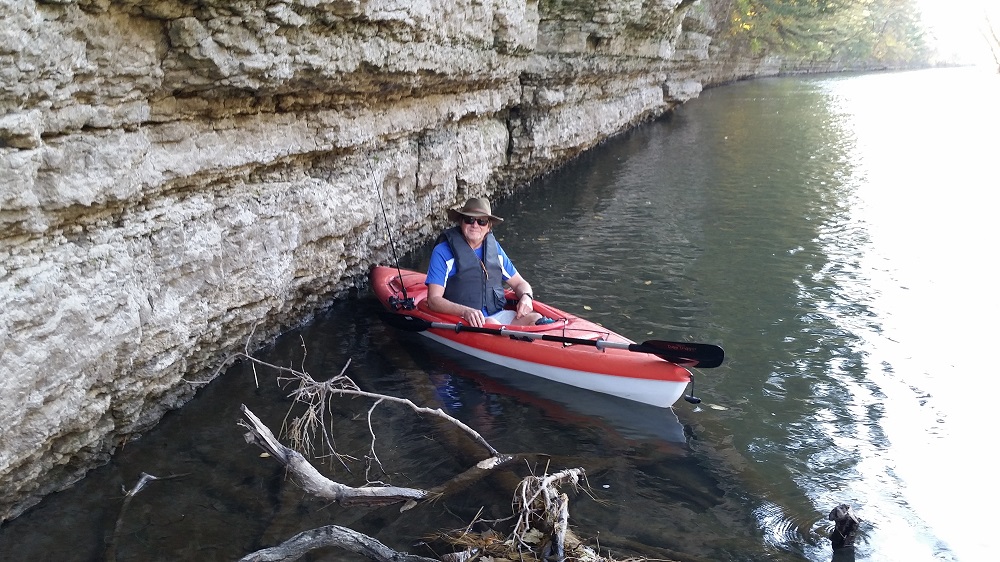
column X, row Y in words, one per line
column 928, row 202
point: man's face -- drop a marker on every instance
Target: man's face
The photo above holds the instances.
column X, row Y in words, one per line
column 473, row 231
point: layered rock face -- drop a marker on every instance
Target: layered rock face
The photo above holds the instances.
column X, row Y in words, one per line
column 177, row 177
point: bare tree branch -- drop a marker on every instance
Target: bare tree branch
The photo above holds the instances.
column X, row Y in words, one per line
column 541, row 515
column 540, row 495
column 316, row 395
column 112, row 552
column 304, row 393
column 331, row 535
column 315, row 483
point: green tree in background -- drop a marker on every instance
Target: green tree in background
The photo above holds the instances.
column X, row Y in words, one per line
column 860, row 33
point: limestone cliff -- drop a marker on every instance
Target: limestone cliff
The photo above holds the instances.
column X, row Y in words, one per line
column 177, row 174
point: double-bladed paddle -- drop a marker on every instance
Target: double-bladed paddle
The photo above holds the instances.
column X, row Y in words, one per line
column 683, row 353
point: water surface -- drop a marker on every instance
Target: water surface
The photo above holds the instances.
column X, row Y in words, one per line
column 835, row 234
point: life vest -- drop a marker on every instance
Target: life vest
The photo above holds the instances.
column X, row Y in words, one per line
column 476, row 284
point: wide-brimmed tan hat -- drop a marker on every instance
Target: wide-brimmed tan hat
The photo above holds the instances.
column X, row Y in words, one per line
column 474, row 207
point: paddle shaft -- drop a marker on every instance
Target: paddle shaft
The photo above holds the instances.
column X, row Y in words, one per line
column 694, row 355
column 599, row 344
column 687, row 354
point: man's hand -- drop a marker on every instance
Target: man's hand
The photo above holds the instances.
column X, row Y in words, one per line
column 474, row 317
column 525, row 305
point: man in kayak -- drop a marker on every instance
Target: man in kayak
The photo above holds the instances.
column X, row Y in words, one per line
column 468, row 268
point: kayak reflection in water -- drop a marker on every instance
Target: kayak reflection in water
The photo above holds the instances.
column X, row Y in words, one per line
column 468, row 269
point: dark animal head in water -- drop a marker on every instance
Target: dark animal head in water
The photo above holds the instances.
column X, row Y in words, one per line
column 845, row 527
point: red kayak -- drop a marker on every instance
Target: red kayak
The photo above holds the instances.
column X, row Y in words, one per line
column 570, row 350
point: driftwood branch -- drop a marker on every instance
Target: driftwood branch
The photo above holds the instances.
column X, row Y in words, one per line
column 305, row 391
column 541, row 517
column 541, row 531
column 336, row 536
column 559, row 527
column 541, row 506
column 316, row 396
column 112, row 552
column 310, row 479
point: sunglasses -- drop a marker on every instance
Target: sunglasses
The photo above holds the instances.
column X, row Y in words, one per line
column 480, row 221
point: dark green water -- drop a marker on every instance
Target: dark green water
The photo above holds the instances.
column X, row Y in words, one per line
column 835, row 234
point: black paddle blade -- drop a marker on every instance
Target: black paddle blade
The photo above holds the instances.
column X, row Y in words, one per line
column 404, row 321
column 704, row 355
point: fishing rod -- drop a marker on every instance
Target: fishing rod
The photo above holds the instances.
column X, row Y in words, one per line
column 407, row 302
